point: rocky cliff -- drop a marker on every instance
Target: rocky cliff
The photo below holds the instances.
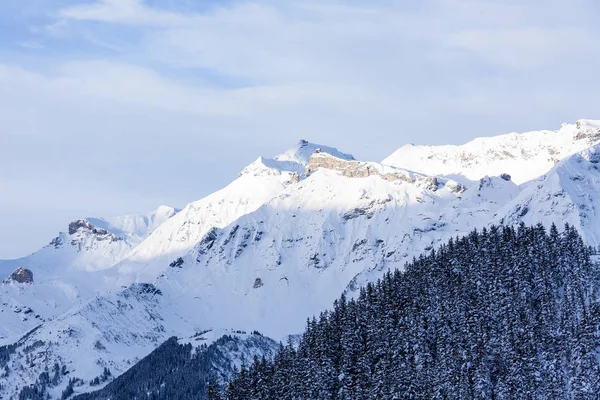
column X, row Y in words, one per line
column 361, row 169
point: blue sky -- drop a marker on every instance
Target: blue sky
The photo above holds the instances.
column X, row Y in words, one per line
column 117, row 106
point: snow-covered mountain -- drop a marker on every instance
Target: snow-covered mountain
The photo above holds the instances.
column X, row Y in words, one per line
column 134, row 228
column 568, row 193
column 92, row 244
column 67, row 271
column 257, row 184
column 523, row 156
column 113, row 331
column 282, row 241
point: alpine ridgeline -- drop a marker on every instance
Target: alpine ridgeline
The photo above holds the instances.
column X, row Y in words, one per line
column 278, row 244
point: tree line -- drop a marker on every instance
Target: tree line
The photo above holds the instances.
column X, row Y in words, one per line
column 502, row 313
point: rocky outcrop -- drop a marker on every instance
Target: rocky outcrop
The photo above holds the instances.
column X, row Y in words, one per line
column 586, row 131
column 85, row 227
column 294, row 178
column 431, row 183
column 354, row 169
column 20, row 275
column 360, row 169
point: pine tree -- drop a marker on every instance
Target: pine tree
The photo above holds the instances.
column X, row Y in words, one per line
column 213, row 392
column 499, row 314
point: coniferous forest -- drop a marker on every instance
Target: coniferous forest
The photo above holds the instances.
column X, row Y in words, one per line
column 179, row 371
column 503, row 313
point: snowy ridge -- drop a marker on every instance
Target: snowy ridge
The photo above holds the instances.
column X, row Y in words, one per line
column 285, row 238
column 114, row 331
column 134, row 228
column 321, row 237
column 524, row 156
column 568, row 193
column 257, row 184
column 92, row 244
column 68, row 271
column 294, row 160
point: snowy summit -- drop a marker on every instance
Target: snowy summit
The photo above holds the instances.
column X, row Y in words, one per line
column 279, row 243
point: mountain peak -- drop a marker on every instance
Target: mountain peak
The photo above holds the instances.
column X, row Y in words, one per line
column 163, row 210
column 577, row 166
column 566, row 194
column 247, row 255
column 586, row 129
column 91, row 244
column 589, row 123
column 524, row 156
column 302, row 151
column 135, row 227
column 294, row 160
column 83, row 225
column 20, row 275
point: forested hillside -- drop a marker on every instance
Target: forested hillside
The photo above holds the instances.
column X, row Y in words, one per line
column 181, row 371
column 504, row 313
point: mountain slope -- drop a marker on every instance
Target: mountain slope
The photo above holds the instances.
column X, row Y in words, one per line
column 112, row 331
column 91, row 244
column 505, row 313
column 258, row 183
column 327, row 234
column 524, row 156
column 135, row 228
column 68, row 271
column 568, row 193
column 277, row 245
column 155, row 377
column 273, row 266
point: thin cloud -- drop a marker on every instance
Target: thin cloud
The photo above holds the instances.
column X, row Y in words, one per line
column 308, row 40
column 31, row 45
column 56, row 29
column 132, row 12
column 148, row 105
column 526, row 47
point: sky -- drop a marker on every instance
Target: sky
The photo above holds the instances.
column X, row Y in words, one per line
column 112, row 107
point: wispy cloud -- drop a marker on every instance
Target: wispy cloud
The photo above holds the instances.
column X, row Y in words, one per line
column 527, row 48
column 132, row 12
column 31, row 45
column 157, row 103
column 246, row 38
column 55, row 28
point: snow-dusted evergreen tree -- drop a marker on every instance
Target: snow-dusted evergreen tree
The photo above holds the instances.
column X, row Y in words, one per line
column 503, row 313
column 213, row 392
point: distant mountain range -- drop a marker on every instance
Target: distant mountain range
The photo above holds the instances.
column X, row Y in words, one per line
column 275, row 246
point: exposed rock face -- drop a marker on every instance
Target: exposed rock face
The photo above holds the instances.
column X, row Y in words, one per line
column 455, row 187
column 591, row 133
column 177, row 263
column 258, row 283
column 353, row 169
column 506, row 177
column 83, row 226
column 360, row 169
column 431, row 183
column 21, row 275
